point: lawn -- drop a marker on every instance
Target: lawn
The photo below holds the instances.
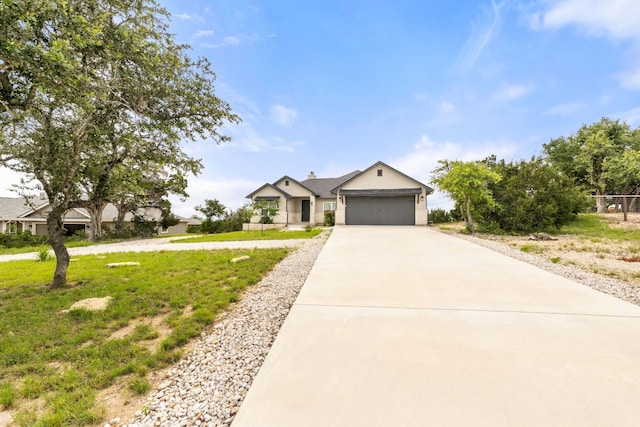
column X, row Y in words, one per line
column 58, row 360
column 273, row 234
column 27, row 249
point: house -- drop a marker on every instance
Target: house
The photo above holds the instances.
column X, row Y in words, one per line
column 21, row 214
column 378, row 195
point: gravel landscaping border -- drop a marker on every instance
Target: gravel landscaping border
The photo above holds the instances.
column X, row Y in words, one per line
column 607, row 285
column 207, row 386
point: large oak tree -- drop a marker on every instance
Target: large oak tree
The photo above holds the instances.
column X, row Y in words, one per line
column 92, row 87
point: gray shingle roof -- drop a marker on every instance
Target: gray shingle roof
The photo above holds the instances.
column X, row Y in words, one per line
column 14, row 207
column 323, row 186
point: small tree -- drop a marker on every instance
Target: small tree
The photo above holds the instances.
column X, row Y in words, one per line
column 467, row 183
column 213, row 212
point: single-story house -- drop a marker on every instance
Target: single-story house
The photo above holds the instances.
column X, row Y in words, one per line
column 19, row 214
column 378, row 195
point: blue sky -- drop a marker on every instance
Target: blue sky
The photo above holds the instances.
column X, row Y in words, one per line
column 333, row 86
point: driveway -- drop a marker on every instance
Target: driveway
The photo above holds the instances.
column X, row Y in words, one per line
column 164, row 244
column 405, row 326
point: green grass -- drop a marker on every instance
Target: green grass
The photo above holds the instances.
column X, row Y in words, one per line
column 64, row 358
column 272, row 234
column 27, row 249
column 595, row 227
column 532, row 248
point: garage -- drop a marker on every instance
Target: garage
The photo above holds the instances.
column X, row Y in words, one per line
column 380, row 210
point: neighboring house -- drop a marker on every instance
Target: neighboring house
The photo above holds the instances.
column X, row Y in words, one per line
column 379, row 195
column 21, row 214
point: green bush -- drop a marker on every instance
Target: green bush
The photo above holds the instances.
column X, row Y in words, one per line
column 22, row 239
column 440, row 216
column 330, row 218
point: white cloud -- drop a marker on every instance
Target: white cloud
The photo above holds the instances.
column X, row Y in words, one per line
column 447, row 107
column 282, row 115
column 565, row 109
column 234, row 40
column 613, row 19
column 245, row 137
column 423, row 159
column 616, row 19
column 630, row 79
column 203, row 33
column 188, row 17
column 483, row 31
column 8, row 178
column 632, row 117
column 510, row 92
column 230, row 192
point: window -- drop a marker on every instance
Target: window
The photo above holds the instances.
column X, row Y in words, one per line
column 328, row 206
column 379, row 172
column 164, row 230
column 286, row 183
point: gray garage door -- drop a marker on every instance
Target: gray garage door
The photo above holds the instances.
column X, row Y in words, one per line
column 380, row 210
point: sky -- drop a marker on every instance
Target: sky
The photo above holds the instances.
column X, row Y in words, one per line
column 334, row 86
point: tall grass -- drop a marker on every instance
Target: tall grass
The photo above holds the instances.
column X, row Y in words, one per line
column 596, row 226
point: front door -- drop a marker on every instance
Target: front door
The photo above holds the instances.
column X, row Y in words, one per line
column 306, row 210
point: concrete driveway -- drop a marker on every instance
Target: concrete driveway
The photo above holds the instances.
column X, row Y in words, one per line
column 405, row 326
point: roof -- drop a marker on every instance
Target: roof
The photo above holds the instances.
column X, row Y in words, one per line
column 267, row 185
column 382, row 192
column 375, row 165
column 322, row 186
column 15, row 207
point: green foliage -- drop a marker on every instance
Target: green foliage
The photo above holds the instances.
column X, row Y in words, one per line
column 231, row 221
column 139, row 385
column 308, row 228
column 441, row 216
column 467, row 183
column 66, row 358
column 7, row 396
column 212, row 209
column 43, row 255
column 594, row 226
column 532, row 248
column 601, row 157
column 532, row 196
column 330, row 218
column 97, row 99
column 267, row 209
column 22, row 239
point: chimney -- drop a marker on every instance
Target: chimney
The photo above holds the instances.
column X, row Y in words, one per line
column 311, row 175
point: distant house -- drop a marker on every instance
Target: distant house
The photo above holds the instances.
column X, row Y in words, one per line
column 379, row 195
column 21, row 214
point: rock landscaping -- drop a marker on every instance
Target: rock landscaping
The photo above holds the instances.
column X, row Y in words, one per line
column 207, row 386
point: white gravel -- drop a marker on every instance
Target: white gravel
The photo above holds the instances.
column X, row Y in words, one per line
column 607, row 285
column 207, row 386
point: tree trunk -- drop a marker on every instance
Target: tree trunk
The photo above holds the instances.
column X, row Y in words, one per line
column 601, row 205
column 55, row 226
column 95, row 226
column 469, row 219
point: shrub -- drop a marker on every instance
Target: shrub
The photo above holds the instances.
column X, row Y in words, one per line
column 330, row 218
column 22, row 239
column 439, row 216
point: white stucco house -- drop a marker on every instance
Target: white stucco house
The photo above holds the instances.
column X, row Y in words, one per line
column 378, row 195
